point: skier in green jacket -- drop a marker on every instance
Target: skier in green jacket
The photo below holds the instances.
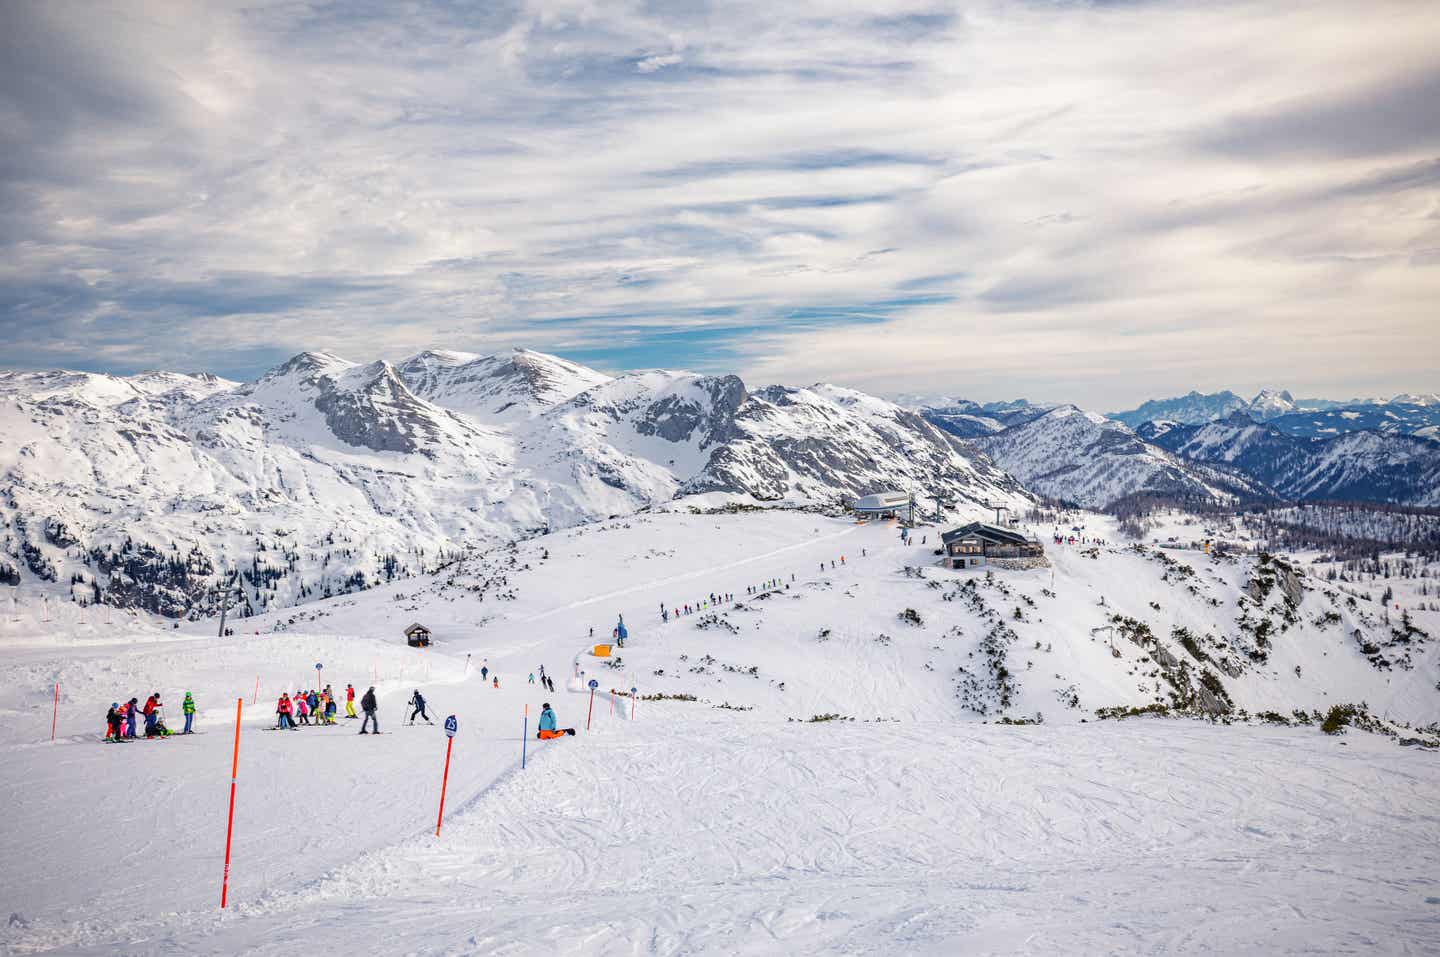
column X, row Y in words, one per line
column 188, row 707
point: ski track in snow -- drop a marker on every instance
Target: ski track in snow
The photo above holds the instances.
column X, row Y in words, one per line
column 710, row 572
column 700, row 834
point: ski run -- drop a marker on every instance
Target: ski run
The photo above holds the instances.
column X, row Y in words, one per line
column 858, row 752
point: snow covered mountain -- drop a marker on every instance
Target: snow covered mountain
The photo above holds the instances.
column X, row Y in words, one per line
column 1405, row 413
column 326, row 475
column 1192, row 407
column 1087, row 459
column 501, row 388
column 968, row 420
column 1355, row 466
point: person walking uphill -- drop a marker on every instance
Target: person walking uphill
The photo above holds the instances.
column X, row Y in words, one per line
column 368, row 705
column 188, row 708
column 418, row 703
column 547, row 728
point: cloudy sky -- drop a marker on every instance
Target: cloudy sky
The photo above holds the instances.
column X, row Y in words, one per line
column 1097, row 202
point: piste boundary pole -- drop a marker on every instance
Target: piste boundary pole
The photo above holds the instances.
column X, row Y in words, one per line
column 524, row 736
column 230, row 823
column 591, row 711
column 55, row 714
column 445, row 780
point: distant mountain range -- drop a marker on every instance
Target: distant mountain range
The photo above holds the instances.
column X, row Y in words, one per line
column 1407, row 412
column 326, row 475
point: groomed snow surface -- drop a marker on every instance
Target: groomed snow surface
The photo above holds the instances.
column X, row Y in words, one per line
column 913, row 829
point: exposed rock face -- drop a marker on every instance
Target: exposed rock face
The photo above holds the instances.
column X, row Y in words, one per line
column 677, row 418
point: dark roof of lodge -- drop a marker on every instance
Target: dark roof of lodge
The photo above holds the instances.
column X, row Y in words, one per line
column 986, row 531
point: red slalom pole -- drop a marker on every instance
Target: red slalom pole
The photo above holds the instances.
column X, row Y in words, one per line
column 256, row 699
column 633, row 696
column 449, row 743
column 230, row 824
column 55, row 715
column 591, row 711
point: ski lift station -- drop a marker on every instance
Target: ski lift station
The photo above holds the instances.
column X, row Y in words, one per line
column 885, row 505
column 974, row 545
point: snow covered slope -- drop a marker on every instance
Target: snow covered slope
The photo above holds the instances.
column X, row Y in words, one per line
column 887, row 818
column 1355, row 466
column 505, row 387
column 325, row 475
column 1087, row 459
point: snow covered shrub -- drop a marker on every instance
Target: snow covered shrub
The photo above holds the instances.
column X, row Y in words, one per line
column 911, row 617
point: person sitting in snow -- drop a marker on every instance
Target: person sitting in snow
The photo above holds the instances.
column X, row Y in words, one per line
column 547, row 725
column 187, row 707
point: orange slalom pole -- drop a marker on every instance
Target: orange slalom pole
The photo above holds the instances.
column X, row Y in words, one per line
column 450, row 743
column 230, row 824
column 55, row 715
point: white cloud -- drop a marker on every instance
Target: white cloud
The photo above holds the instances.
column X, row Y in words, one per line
column 1115, row 200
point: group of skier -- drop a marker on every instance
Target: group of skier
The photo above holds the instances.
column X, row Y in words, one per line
column 546, row 681
column 122, row 719
column 716, row 599
column 315, row 708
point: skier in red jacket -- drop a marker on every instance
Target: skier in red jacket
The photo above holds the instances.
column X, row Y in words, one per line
column 282, row 712
column 151, row 711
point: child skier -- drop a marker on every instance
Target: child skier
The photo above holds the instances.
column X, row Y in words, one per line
column 302, row 708
column 547, row 725
column 283, row 708
column 418, row 702
column 496, row 680
column 188, row 708
column 350, row 701
column 114, row 718
column 330, row 708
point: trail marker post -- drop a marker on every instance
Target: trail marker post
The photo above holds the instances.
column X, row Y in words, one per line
column 318, row 683
column 55, row 713
column 524, row 736
column 451, row 727
column 230, row 824
column 255, row 699
column 593, row 685
column 633, row 695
